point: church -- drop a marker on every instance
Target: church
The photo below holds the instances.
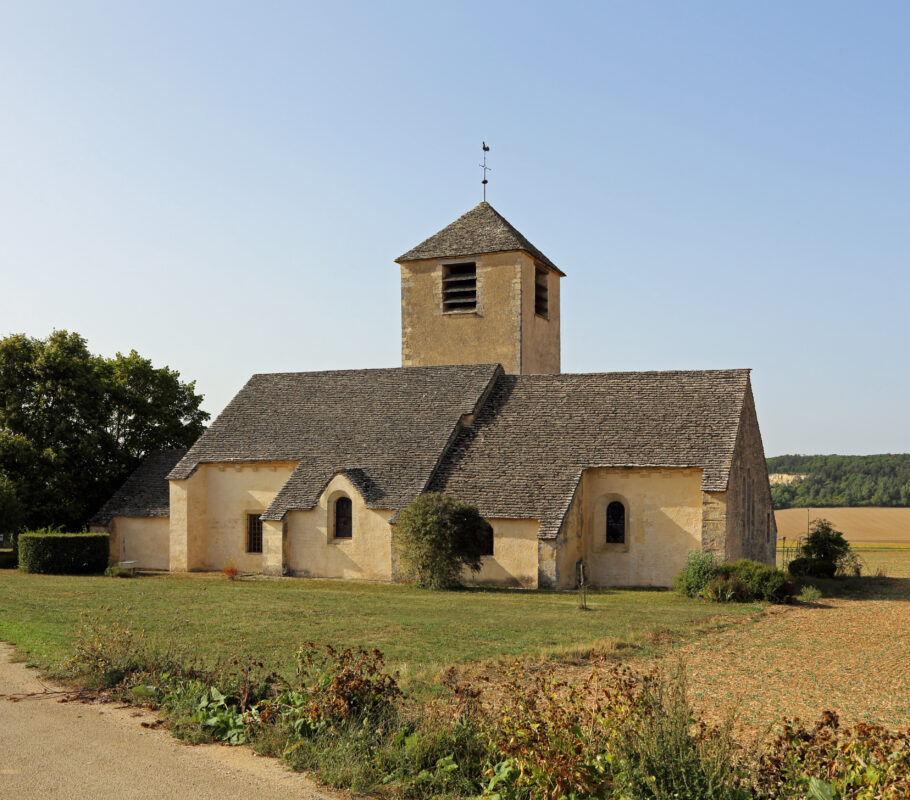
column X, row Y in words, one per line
column 304, row 473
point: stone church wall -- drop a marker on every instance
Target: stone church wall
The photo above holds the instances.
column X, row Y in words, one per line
column 663, row 523
column 208, row 528
column 313, row 551
column 514, row 559
column 540, row 335
column 751, row 530
column 568, row 547
column 145, row 540
column 490, row 335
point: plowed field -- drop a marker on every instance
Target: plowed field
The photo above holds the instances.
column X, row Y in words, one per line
column 860, row 525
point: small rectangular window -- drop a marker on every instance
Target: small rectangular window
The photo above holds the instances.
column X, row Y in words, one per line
column 541, row 299
column 253, row 533
column 459, row 287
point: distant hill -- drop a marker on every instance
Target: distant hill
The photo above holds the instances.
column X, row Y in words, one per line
column 826, row 481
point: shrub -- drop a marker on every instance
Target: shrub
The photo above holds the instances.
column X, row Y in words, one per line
column 850, row 565
column 726, row 588
column 437, row 536
column 616, row 734
column 824, row 543
column 699, row 571
column 762, row 581
column 437, row 753
column 665, row 756
column 63, row 553
column 866, row 761
column 809, row 594
column 105, row 651
column 803, row 567
column 119, row 572
column 740, row 581
column 344, row 684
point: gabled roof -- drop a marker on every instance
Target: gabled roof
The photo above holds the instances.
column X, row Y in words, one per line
column 482, row 230
column 386, row 428
column 146, row 493
column 531, row 441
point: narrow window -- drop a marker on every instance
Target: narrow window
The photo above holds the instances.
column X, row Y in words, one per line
column 616, row 523
column 343, row 518
column 253, row 533
column 487, row 541
column 459, row 287
column 541, row 304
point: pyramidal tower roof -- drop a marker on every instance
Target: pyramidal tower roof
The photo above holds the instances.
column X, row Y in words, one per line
column 482, row 230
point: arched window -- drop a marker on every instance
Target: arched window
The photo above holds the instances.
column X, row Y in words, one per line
column 344, row 528
column 616, row 523
column 487, row 540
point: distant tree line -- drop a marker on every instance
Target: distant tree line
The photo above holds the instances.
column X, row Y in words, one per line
column 882, row 480
column 73, row 425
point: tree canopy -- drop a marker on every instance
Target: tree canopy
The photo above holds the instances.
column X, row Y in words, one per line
column 73, row 425
column 878, row 480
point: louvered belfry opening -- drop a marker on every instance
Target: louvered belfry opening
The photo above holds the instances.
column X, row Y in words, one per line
column 459, row 287
column 541, row 301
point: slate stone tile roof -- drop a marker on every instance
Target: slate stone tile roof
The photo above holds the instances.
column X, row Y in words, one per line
column 482, row 230
column 524, row 454
column 387, row 428
column 146, row 493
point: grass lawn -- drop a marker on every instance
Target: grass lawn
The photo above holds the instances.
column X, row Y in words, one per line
column 419, row 631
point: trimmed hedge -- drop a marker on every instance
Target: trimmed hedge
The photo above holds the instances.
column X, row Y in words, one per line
column 64, row 553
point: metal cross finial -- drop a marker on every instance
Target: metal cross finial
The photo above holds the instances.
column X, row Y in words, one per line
column 486, row 169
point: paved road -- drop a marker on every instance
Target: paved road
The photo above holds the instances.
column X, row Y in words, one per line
column 51, row 750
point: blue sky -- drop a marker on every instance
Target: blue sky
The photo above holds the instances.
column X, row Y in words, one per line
column 225, row 186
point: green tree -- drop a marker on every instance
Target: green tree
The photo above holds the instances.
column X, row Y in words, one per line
column 73, row 424
column 11, row 512
column 824, row 543
column 437, row 536
column 877, row 480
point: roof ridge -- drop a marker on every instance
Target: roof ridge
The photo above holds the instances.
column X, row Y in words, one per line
column 669, row 372
column 362, row 370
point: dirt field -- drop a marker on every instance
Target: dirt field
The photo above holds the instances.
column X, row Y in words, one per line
column 851, row 656
column 884, row 525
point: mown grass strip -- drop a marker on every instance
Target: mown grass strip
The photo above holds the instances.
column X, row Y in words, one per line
column 420, row 631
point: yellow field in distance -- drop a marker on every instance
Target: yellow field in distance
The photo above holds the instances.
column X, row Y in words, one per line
column 880, row 527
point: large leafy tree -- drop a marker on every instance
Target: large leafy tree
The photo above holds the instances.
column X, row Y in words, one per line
column 73, row 424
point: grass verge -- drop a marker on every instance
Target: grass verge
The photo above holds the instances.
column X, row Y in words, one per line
column 421, row 632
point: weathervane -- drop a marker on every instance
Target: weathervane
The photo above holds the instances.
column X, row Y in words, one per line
column 486, row 169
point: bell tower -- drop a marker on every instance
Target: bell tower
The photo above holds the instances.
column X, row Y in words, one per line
column 478, row 292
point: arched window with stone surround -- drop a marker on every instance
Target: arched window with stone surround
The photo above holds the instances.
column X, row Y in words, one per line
column 344, row 518
column 616, row 523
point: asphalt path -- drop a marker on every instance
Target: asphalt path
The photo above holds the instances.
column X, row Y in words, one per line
column 51, row 749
